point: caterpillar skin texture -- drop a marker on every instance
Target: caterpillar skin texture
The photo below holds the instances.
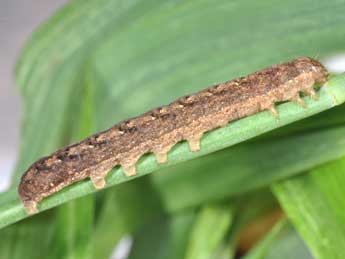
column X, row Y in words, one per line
column 158, row 130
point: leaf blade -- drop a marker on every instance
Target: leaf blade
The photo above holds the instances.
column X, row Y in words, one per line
column 312, row 210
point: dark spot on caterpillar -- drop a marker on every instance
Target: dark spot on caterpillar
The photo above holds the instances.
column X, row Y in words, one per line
column 153, row 115
column 62, row 155
column 161, row 113
column 28, row 181
column 125, row 128
column 100, row 143
column 168, row 116
column 41, row 167
column 90, row 142
column 75, row 156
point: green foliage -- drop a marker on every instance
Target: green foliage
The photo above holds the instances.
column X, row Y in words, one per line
column 209, row 230
column 95, row 63
column 315, row 203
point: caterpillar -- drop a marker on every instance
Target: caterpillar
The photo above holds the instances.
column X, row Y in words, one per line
column 158, row 130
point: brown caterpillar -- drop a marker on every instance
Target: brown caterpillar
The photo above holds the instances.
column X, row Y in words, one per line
column 156, row 131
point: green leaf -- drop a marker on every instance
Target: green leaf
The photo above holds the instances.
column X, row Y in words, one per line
column 73, row 237
column 247, row 167
column 249, row 208
column 32, row 237
column 315, row 204
column 125, row 209
column 209, row 230
column 164, row 237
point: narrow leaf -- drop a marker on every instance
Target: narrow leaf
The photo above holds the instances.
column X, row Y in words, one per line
column 315, row 204
column 210, row 228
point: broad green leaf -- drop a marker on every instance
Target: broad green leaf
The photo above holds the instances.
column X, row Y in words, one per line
column 179, row 47
column 315, row 204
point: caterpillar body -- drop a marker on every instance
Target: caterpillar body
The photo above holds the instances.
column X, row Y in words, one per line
column 158, row 130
